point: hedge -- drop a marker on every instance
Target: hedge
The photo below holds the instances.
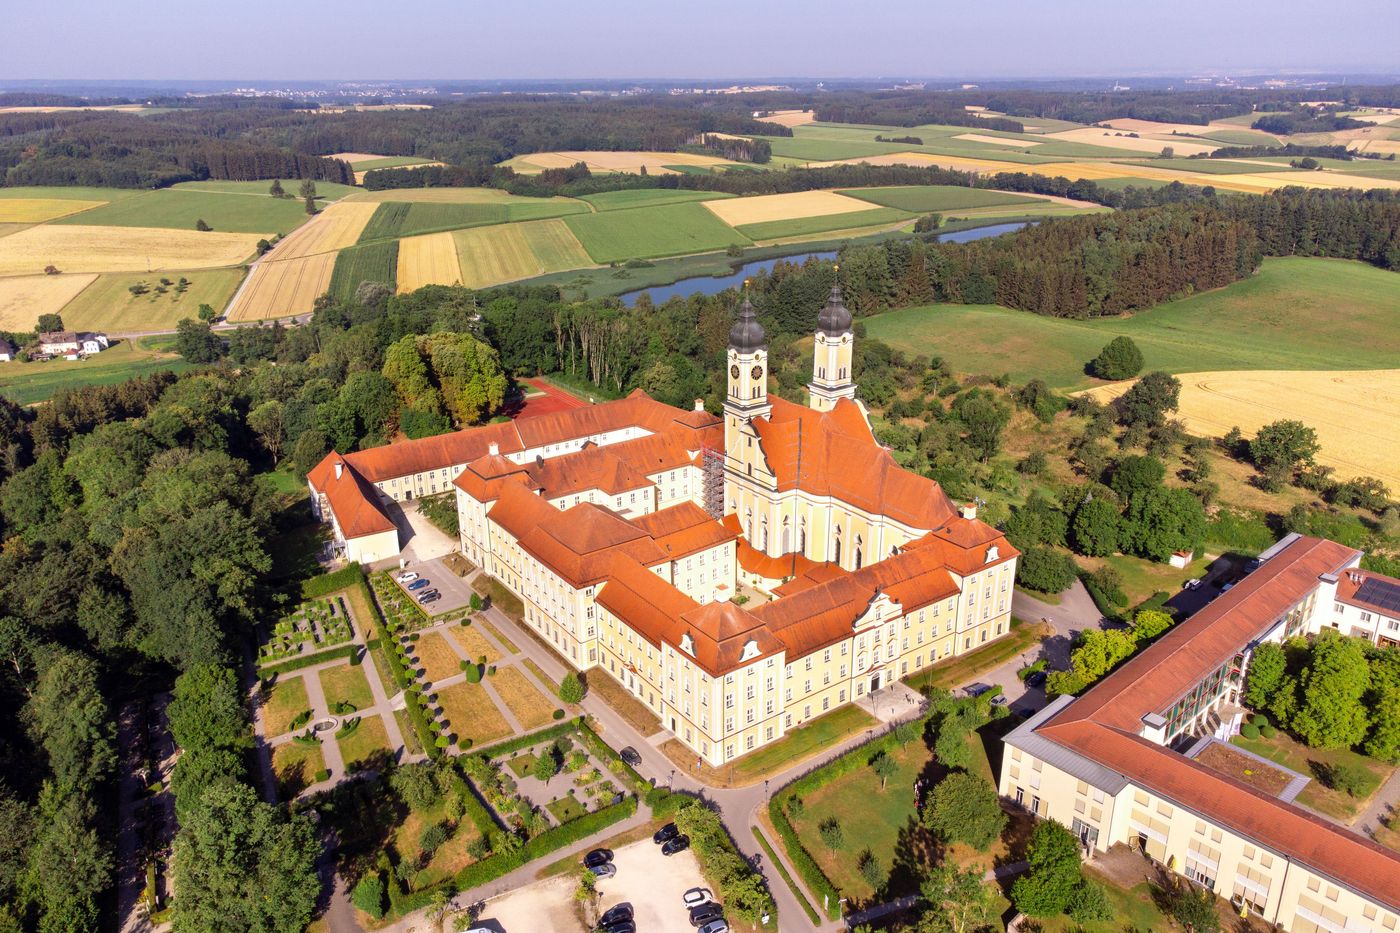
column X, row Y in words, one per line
column 577, row 829
column 427, row 737
column 328, row 583
column 773, row 860
column 306, row 660
column 1105, row 605
column 528, row 739
column 812, row 875
column 605, row 751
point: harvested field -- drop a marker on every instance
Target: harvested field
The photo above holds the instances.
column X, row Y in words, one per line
column 1356, row 414
column 471, row 714
column 36, row 210
column 24, row 297
column 766, row 207
column 120, row 249
column 656, row 162
column 336, row 227
column 430, row 259
column 790, row 117
column 354, row 157
column 109, row 305
column 282, row 289
column 7, row 229
column 531, row 707
column 183, row 208
column 997, row 140
column 509, row 252
column 1148, row 146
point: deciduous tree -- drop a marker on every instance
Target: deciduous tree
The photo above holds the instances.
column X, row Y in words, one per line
column 965, row 808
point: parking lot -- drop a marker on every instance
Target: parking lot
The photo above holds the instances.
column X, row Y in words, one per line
column 456, row 592
column 651, row 882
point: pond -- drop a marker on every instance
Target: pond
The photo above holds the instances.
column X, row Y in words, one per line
column 714, row 284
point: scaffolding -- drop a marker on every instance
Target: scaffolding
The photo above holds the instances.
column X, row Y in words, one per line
column 712, row 482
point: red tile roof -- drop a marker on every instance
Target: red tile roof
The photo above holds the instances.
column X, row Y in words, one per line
column 1103, row 725
column 683, row 529
column 354, row 502
column 1351, row 581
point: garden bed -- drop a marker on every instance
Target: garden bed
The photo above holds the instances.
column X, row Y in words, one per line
column 1242, row 767
column 314, row 625
column 1317, row 763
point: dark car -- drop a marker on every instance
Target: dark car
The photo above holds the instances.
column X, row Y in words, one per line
column 705, row 913
column 976, row 690
column 629, row 755
column 678, row 844
column 665, row 834
column 597, row 857
column 622, row 926
column 428, row 596
column 615, row 915
column 1036, row 680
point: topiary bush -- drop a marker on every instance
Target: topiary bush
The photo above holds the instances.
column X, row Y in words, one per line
column 368, row 895
column 473, row 673
column 558, row 714
column 1267, row 731
column 323, row 775
column 1249, row 730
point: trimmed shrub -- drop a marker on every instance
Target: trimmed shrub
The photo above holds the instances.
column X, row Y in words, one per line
column 320, row 657
column 558, row 714
column 1249, row 730
column 328, row 583
column 473, row 672
column 323, row 775
column 464, row 744
column 1267, row 731
column 571, row 688
column 368, row 893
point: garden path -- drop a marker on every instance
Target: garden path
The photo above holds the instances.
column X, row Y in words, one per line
column 1385, row 803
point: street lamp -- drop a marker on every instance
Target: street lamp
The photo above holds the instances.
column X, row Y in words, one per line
column 671, row 780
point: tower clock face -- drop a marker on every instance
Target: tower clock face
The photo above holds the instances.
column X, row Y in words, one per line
column 757, row 372
column 734, row 372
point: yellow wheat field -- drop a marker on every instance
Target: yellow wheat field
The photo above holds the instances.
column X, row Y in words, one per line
column 995, row 140
column 120, row 249
column 353, row 157
column 7, row 229
column 335, row 228
column 790, row 117
column 510, row 252
column 282, row 289
column 1356, row 414
column 24, row 297
column 1107, row 139
column 737, row 211
column 599, row 161
column 36, row 210
column 430, row 259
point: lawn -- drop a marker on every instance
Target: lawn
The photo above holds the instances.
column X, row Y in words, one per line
column 522, row 764
column 531, row 707
column 648, row 197
column 410, row 738
column 471, row 713
column 1142, row 578
column 30, row 383
column 499, row 636
column 296, row 765
column 362, row 745
column 451, row 858
column 436, row 657
column 474, row 644
column 109, row 305
column 803, row 226
column 285, row 702
column 921, row 199
column 644, row 232
column 566, row 808
column 180, row 208
column 325, row 190
column 346, row 683
column 797, row 745
column 1134, row 909
column 959, row 670
column 1312, row 762
column 1264, row 322
column 632, row 710
column 541, row 675
column 370, row 262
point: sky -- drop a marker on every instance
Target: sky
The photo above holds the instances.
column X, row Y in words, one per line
column 471, row 39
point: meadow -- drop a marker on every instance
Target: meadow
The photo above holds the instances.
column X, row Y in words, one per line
column 368, row 262
column 1294, row 314
column 325, row 190
column 644, row 232
column 30, row 383
column 181, row 208
column 804, row 226
column 923, row 199
column 109, row 305
column 648, row 197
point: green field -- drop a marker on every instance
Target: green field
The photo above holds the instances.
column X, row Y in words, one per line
column 368, row 262
column 325, row 190
column 108, row 304
column 802, row 226
column 1243, row 137
column 405, row 218
column 921, row 199
column 369, row 165
column 648, row 197
column 30, row 383
column 71, row 194
column 1308, row 314
column 644, row 232
column 179, row 208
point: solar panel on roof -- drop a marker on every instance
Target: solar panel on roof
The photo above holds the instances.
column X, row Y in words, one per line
column 1379, row 593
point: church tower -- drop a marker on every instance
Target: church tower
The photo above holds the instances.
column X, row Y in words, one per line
column 747, row 395
column 831, row 355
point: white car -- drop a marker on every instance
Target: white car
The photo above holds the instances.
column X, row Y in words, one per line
column 695, row 897
column 408, row 577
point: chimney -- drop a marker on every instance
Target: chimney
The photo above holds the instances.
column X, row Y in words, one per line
column 1154, row 728
column 722, row 593
column 493, row 449
column 699, row 404
column 969, row 510
column 339, row 469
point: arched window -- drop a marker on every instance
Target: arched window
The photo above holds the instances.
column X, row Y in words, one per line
column 860, row 546
column 787, row 535
column 763, row 525
column 836, row 547
column 748, row 524
column 802, row 535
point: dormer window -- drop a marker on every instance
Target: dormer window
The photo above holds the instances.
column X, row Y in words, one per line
column 750, row 650
column 992, row 553
column 688, row 644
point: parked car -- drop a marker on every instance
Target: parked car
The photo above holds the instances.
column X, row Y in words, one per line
column 1036, row 679
column 695, row 897
column 976, row 690
column 408, row 576
column 705, row 913
column 1191, row 584
column 622, row 926
column 597, row 857
column 615, row 915
column 665, row 834
column 719, row 926
column 999, row 700
column 418, row 584
column 428, row 596
column 678, row 844
column 605, row 870
column 629, row 755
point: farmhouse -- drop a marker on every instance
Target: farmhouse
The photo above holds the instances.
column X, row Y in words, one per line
column 1116, row 765
column 7, row 351
column 740, row 575
column 71, row 344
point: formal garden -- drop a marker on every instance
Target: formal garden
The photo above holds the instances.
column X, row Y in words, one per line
column 311, row 627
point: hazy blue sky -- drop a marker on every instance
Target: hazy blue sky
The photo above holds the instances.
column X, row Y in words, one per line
column 441, row 39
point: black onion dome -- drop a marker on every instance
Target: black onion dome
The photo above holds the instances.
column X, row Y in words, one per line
column 834, row 319
column 747, row 334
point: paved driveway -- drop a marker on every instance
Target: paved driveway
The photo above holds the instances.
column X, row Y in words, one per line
column 456, row 591
column 419, row 539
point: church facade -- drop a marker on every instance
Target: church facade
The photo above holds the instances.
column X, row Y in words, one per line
column 739, row 574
